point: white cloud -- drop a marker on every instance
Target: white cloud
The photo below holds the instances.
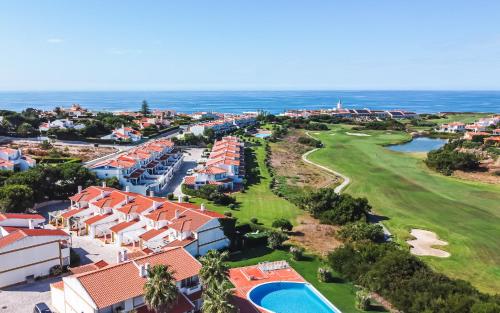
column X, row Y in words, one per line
column 55, row 40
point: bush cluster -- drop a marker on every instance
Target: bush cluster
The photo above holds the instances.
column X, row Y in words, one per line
column 211, row 193
column 448, row 159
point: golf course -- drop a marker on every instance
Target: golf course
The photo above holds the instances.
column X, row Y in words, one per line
column 407, row 195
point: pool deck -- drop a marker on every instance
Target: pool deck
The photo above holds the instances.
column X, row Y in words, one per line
column 245, row 278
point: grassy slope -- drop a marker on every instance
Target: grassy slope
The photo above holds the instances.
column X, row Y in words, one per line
column 258, row 201
column 399, row 186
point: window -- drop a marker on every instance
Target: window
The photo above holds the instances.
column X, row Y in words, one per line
column 138, row 301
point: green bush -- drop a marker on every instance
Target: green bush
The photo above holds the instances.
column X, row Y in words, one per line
column 297, row 253
column 361, row 231
column 283, row 224
column 254, row 220
column 275, row 240
column 324, row 274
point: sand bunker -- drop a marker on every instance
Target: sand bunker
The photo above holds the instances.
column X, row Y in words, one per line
column 423, row 243
column 358, row 134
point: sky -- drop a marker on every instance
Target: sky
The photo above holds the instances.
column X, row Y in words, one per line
column 249, row 45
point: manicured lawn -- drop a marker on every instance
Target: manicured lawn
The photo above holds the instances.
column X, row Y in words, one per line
column 400, row 187
column 340, row 293
column 258, row 201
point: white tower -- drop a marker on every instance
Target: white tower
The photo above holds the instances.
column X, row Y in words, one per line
column 339, row 105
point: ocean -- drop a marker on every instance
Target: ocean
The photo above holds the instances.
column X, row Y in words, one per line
column 270, row 101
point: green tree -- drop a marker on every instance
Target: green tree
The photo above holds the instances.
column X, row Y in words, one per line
column 213, row 269
column 275, row 239
column 160, row 291
column 209, row 134
column 15, row 198
column 361, row 231
column 217, row 299
column 25, row 129
column 283, row 224
column 145, row 108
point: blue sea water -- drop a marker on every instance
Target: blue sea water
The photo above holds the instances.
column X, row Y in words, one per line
column 271, row 101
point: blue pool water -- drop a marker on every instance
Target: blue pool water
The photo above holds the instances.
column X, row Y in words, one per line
column 420, row 144
column 262, row 135
column 290, row 297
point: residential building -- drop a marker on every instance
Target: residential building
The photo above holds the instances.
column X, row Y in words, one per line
column 454, row 127
column 60, row 124
column 136, row 221
column 151, row 121
column 224, row 125
column 496, row 131
column 472, row 135
column 475, row 128
column 124, row 134
column 148, row 167
column 204, row 116
column 225, row 166
column 76, row 111
column 14, row 160
column 494, row 140
column 120, row 287
column 28, row 251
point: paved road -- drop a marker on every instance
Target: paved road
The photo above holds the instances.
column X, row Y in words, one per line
column 22, row 298
column 191, row 155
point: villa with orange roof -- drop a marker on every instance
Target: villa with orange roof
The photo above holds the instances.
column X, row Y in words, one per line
column 128, row 219
column 454, row 127
column 124, row 134
column 225, row 166
column 120, row 287
column 13, row 159
column 27, row 250
column 148, row 167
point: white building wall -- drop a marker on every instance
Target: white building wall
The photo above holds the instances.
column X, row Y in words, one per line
column 77, row 298
column 16, row 265
column 211, row 237
column 57, row 299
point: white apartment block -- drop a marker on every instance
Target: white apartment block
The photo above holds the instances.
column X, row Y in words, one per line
column 28, row 251
column 148, row 167
column 225, row 166
column 61, row 124
column 13, row 160
column 135, row 221
column 124, row 134
column 120, row 287
column 455, row 127
column 224, row 125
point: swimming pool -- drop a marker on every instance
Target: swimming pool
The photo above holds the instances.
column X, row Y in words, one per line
column 290, row 297
column 262, row 135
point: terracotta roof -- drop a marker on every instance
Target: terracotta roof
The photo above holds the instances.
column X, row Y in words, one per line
column 212, row 170
column 26, row 232
column 153, row 233
column 5, row 216
column 89, row 193
column 122, row 281
column 110, row 200
column 88, row 267
column 182, row 305
column 58, row 285
column 96, row 218
column 180, row 243
column 189, row 180
column 72, row 212
column 121, row 226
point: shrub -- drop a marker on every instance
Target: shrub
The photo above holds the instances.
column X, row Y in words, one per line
column 447, row 159
column 275, row 240
column 361, row 231
column 254, row 220
column 170, row 196
column 309, row 142
column 324, row 274
column 228, row 213
column 282, row 224
column 362, row 300
column 56, row 270
column 185, row 198
column 296, row 252
column 232, row 206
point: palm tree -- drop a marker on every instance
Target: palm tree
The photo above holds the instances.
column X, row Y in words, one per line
column 213, row 270
column 216, row 299
column 160, row 292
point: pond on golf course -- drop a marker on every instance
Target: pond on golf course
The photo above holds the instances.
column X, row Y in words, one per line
column 419, row 144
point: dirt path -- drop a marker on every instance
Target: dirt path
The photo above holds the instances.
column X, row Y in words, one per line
column 346, row 181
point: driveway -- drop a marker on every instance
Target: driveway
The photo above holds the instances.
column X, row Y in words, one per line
column 191, row 155
column 22, row 298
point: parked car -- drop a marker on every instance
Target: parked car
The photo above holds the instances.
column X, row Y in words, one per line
column 190, row 171
column 41, row 308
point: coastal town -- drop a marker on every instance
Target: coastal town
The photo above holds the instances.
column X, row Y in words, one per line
column 151, row 202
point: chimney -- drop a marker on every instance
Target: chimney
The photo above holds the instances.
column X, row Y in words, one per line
column 80, row 189
column 151, row 193
column 104, row 184
column 202, row 207
column 156, row 204
column 127, row 188
column 143, row 269
column 177, row 214
column 179, row 199
column 30, row 224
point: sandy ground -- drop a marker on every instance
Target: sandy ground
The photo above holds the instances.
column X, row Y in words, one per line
column 424, row 242
column 286, row 159
column 85, row 153
column 358, row 134
column 488, row 176
column 314, row 236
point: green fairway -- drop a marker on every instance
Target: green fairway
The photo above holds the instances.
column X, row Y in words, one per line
column 258, row 201
column 341, row 294
column 401, row 188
